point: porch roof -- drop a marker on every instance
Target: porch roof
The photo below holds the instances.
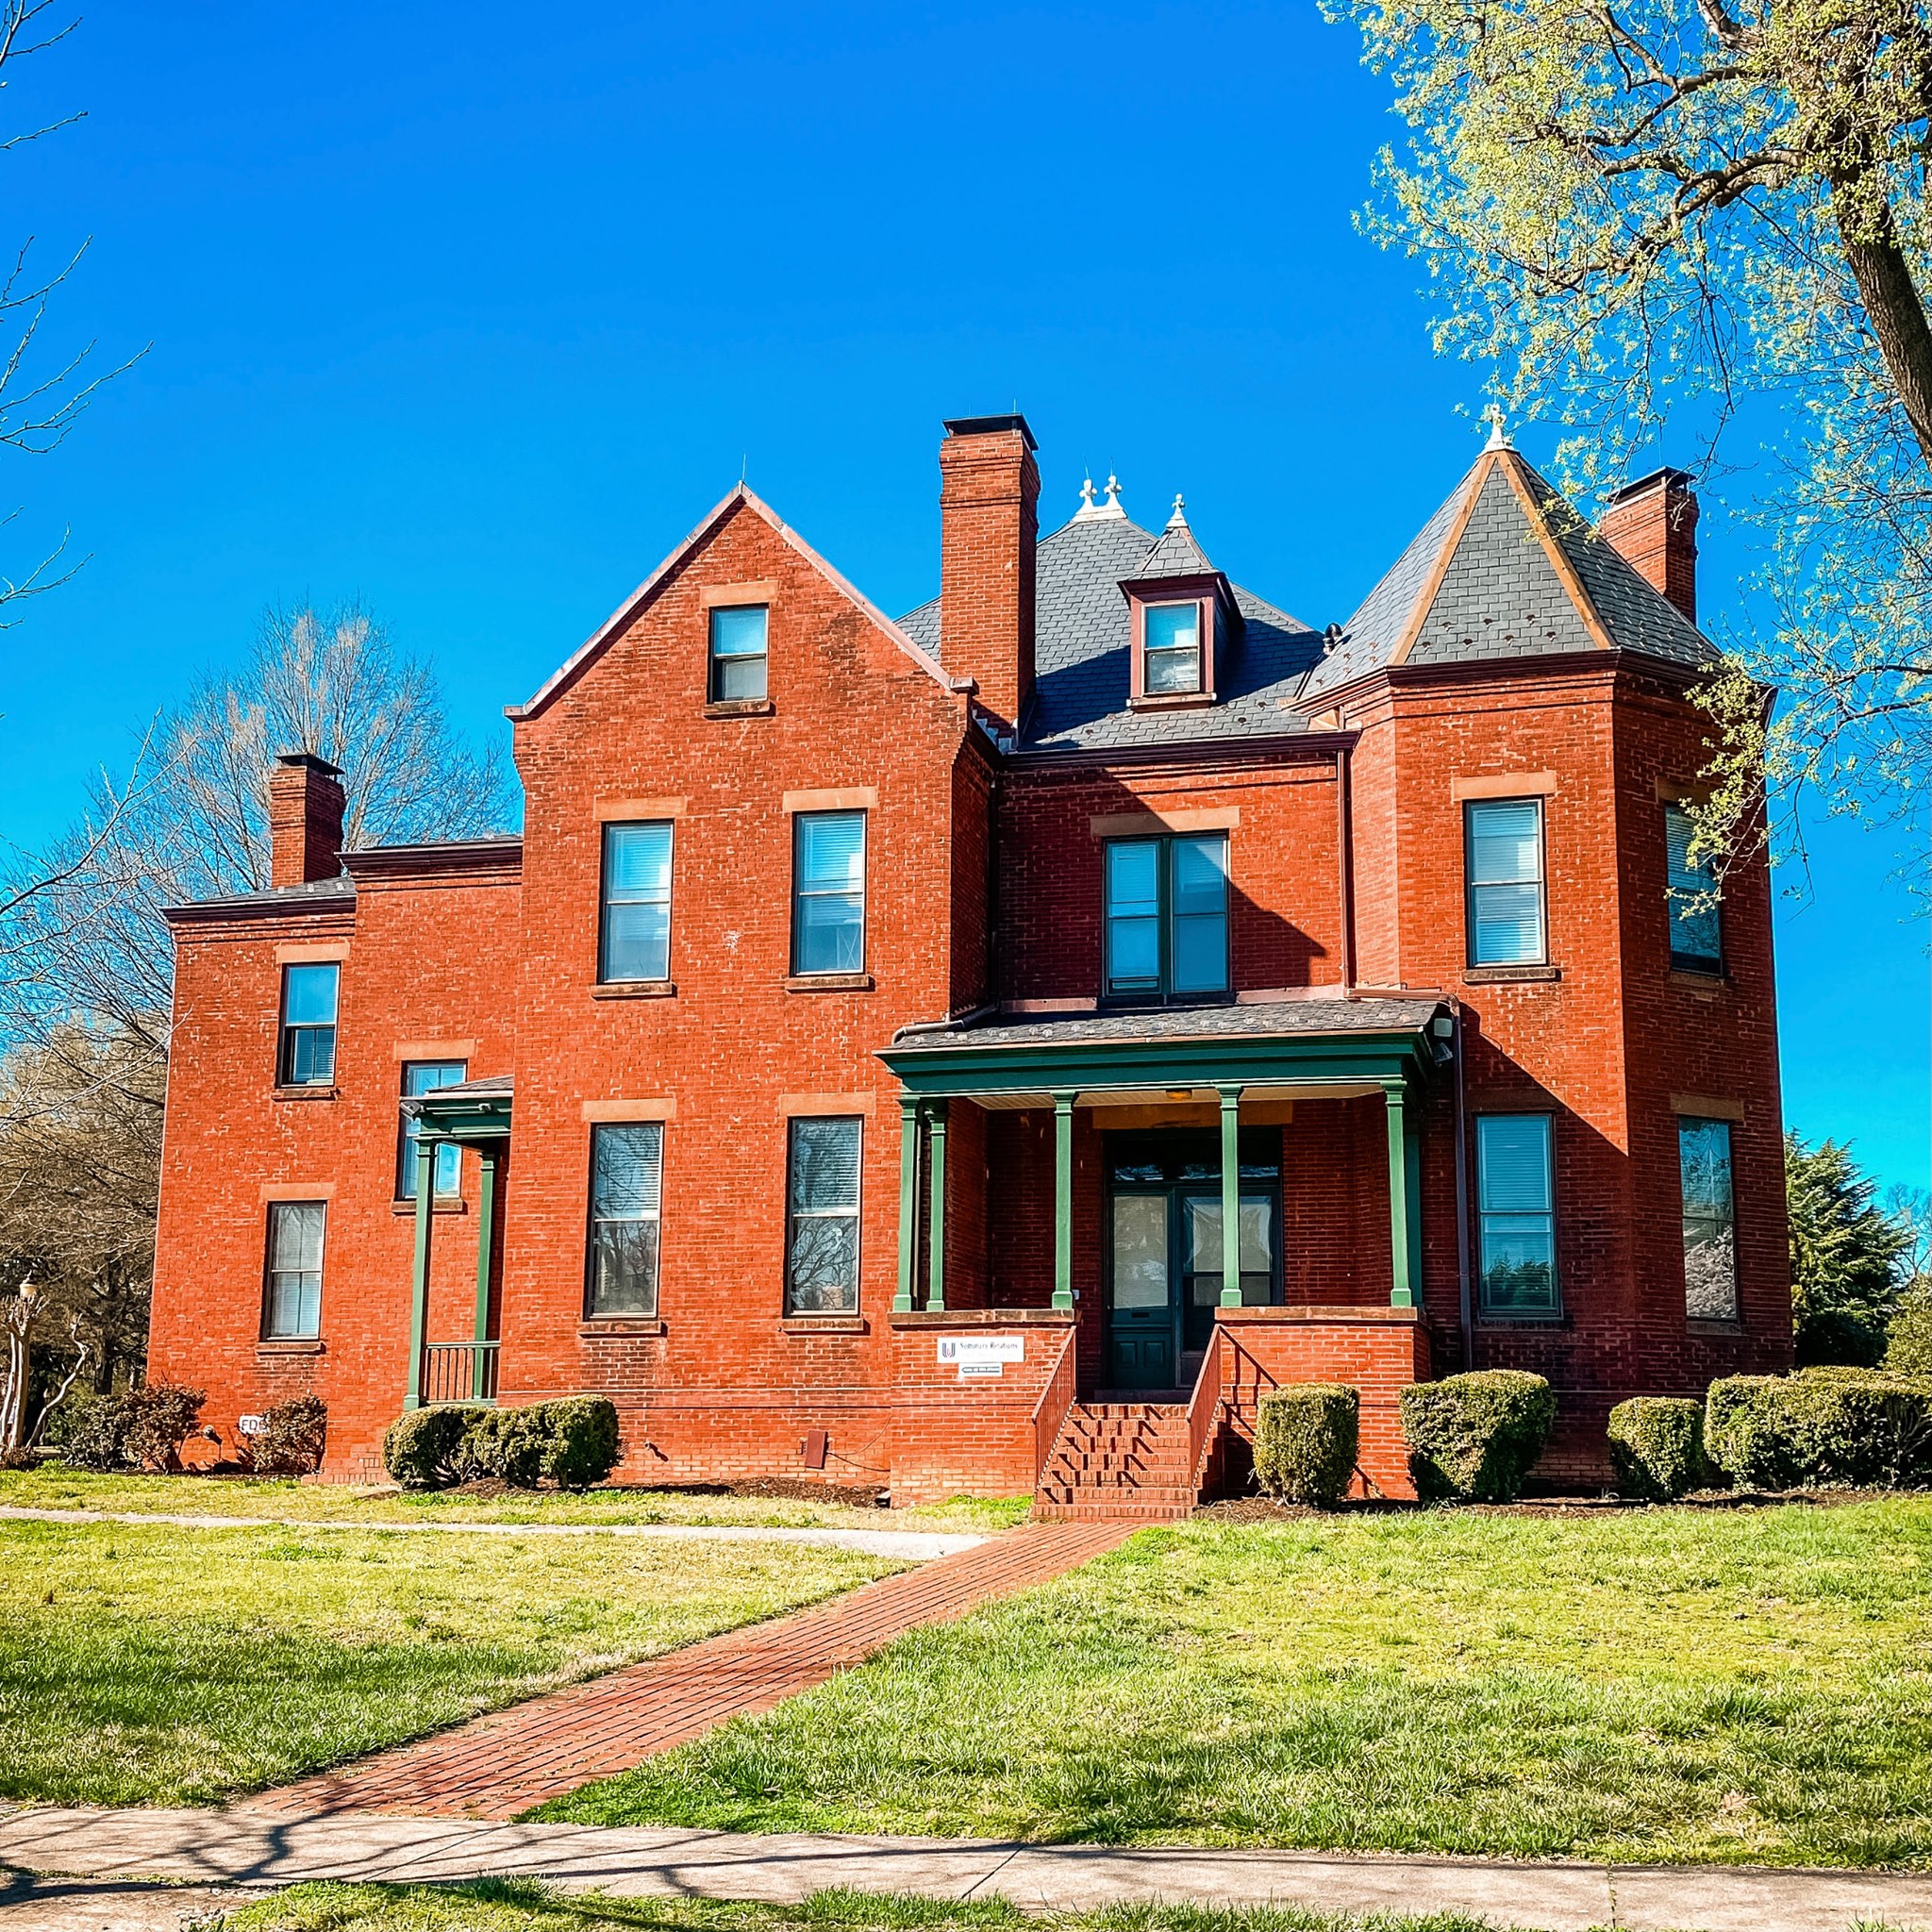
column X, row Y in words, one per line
column 468, row 1111
column 1337, row 1045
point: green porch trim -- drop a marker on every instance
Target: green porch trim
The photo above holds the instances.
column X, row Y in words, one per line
column 485, row 1235
column 1366, row 1060
column 419, row 1280
column 1401, row 1293
column 912, row 1116
column 1230, row 1197
column 936, row 1220
column 1063, row 1199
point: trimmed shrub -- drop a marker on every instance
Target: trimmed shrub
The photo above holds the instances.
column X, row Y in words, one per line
column 419, row 1449
column 1306, row 1439
column 1476, row 1437
column 1823, row 1427
column 506, row 1444
column 90, row 1432
column 293, row 1435
column 134, row 1428
column 580, row 1445
column 1656, row 1447
column 1908, row 1340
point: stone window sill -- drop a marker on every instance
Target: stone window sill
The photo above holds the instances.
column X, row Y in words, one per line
column 1731, row 1331
column 1173, row 701
column 444, row 1203
column 1484, row 1321
column 290, row 1347
column 636, row 990
column 1512, row 975
column 741, row 708
column 1698, row 980
column 828, row 982
column 317, row 1092
column 618, row 1325
column 825, row 1325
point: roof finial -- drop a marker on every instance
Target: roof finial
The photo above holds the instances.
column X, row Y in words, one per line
column 1087, row 493
column 1493, row 417
column 1179, row 521
column 1091, row 512
column 1113, row 493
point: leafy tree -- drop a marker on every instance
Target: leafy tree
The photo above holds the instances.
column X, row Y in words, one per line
column 1848, row 1255
column 1629, row 210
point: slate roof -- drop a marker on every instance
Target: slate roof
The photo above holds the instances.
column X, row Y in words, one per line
column 341, row 890
column 1259, row 1019
column 1499, row 593
column 1083, row 639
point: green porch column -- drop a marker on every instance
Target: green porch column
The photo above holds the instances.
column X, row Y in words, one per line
column 1402, row 1294
column 1063, row 1200
column 910, row 1116
column 485, row 1251
column 419, row 1288
column 935, row 1235
column 1230, row 1197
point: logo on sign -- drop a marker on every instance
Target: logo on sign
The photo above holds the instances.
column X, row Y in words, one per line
column 253, row 1424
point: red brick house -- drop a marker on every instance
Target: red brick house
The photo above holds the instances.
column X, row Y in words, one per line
column 854, row 1066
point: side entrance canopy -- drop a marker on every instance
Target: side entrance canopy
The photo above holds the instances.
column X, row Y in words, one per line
column 1320, row 1048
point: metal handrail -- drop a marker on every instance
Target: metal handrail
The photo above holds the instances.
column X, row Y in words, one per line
column 459, row 1371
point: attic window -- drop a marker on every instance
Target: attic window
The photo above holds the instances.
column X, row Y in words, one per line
column 1172, row 653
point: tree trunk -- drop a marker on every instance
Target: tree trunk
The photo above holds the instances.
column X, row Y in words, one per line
column 1897, row 314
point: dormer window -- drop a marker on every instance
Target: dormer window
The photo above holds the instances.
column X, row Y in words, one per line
column 1172, row 653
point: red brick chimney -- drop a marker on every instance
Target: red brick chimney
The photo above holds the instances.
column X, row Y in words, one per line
column 989, row 526
column 304, row 819
column 1654, row 522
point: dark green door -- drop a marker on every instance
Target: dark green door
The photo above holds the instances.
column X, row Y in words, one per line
column 1145, row 1307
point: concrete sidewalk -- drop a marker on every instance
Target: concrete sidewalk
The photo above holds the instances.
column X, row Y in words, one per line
column 230, row 1849
column 910, row 1545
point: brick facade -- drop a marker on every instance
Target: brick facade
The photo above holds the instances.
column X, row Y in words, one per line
column 1344, row 822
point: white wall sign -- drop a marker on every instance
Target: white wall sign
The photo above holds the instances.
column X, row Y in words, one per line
column 253, row 1424
column 982, row 1354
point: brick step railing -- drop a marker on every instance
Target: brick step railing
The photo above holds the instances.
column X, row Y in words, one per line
column 1126, row 1459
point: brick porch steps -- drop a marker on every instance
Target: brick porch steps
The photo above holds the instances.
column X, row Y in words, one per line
column 502, row 1764
column 1124, row 1461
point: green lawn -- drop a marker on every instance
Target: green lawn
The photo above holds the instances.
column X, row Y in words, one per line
column 155, row 1665
column 55, row 1487
column 518, row 1906
column 1748, row 1684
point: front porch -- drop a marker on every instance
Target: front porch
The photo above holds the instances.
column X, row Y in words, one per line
column 1121, row 1146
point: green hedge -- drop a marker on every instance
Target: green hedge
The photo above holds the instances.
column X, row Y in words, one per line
column 572, row 1441
column 1656, row 1447
column 1833, row 1426
column 1908, row 1340
column 1476, row 1437
column 1305, row 1438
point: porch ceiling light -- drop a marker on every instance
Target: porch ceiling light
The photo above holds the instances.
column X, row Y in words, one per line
column 1180, row 1093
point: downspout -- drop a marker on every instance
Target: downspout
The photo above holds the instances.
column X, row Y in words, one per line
column 1464, row 1307
column 1345, row 849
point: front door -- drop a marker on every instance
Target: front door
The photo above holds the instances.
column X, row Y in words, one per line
column 1164, row 1277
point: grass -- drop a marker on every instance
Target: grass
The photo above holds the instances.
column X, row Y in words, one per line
column 515, row 1904
column 157, row 1665
column 1749, row 1686
column 54, row 1486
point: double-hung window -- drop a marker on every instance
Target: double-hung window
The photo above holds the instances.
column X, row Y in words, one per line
column 1170, row 648
column 634, row 918
column 292, row 1306
column 1516, row 1207
column 1502, row 862
column 627, row 1190
column 822, row 1232
column 1696, row 943
column 1711, row 1221
column 307, row 1053
column 829, row 892
column 420, row 1077
column 739, row 640
column 1166, row 917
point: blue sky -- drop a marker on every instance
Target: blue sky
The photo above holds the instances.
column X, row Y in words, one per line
column 471, row 312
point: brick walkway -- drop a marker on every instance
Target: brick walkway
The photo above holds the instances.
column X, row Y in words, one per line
column 499, row 1766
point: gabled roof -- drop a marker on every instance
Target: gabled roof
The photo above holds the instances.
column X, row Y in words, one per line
column 1083, row 639
column 1507, row 567
column 627, row 613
